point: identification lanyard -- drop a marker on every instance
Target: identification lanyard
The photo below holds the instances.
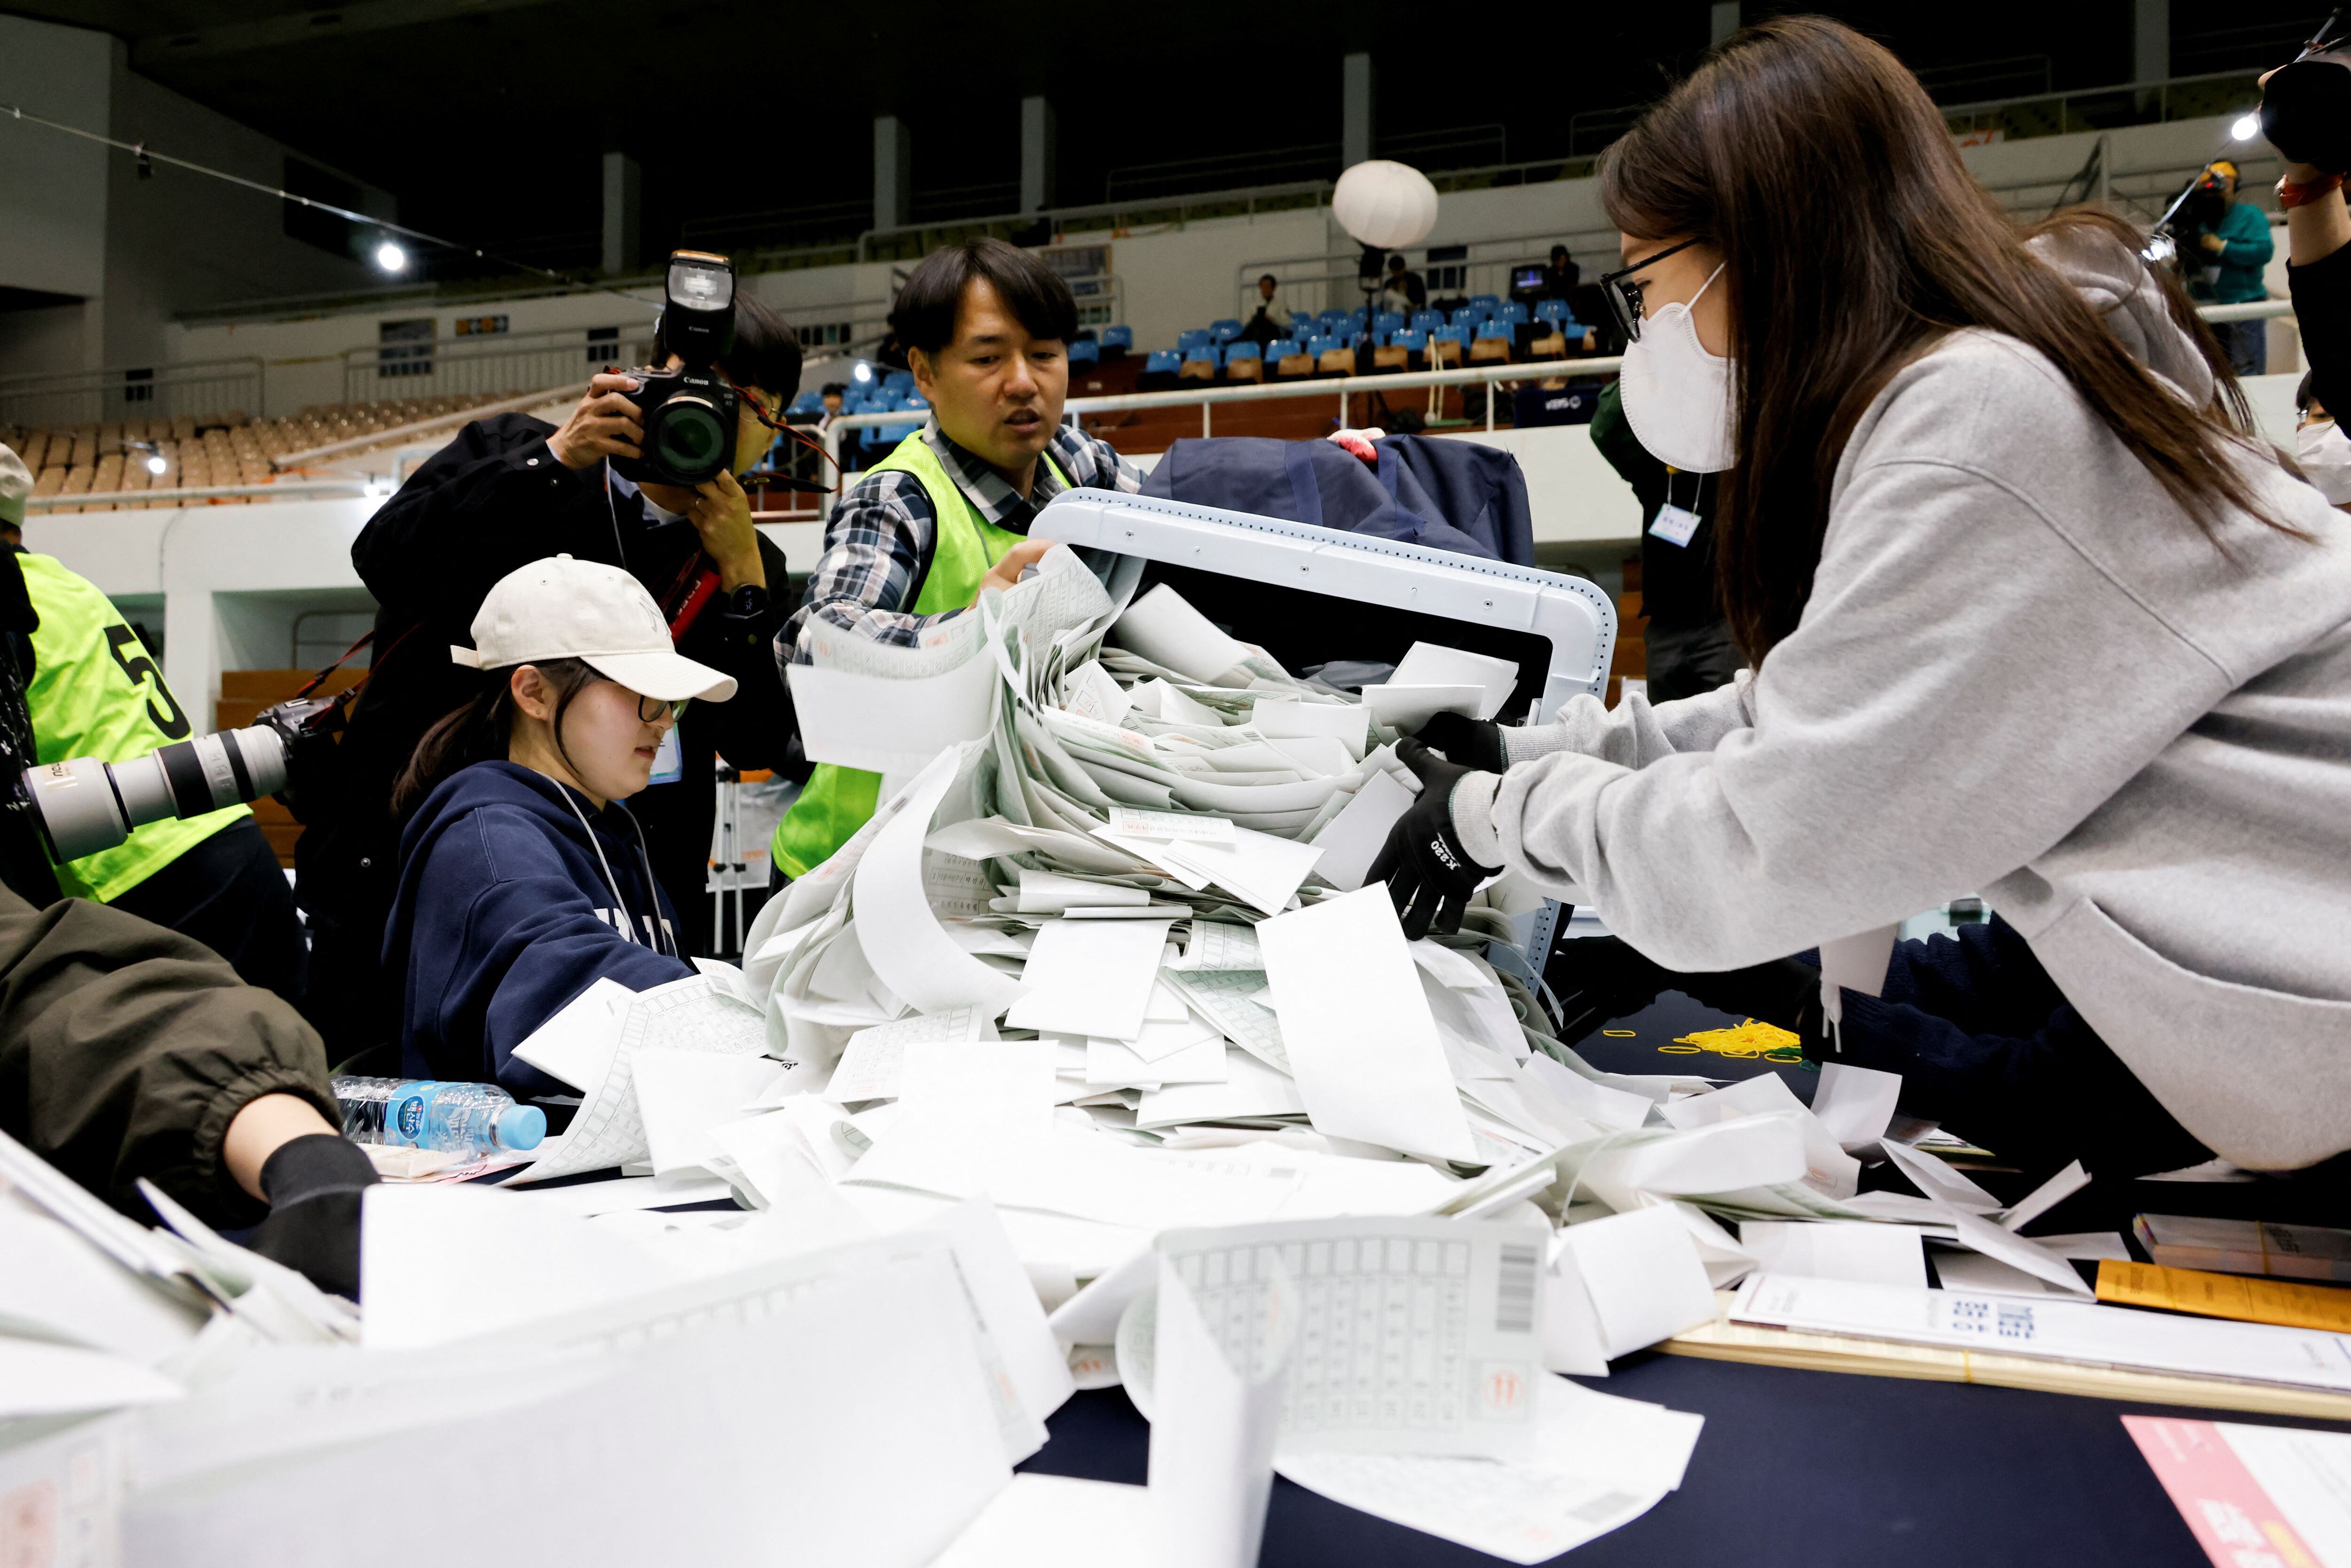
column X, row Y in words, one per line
column 1674, row 524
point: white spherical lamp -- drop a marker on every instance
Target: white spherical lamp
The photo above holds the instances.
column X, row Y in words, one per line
column 1386, row 205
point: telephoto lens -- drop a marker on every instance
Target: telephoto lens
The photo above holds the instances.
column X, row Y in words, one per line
column 85, row 805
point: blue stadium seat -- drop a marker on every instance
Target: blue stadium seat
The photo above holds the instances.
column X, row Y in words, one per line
column 898, row 384
column 809, row 402
column 1331, row 320
column 1244, row 350
column 1198, row 337
column 1415, row 339
column 1496, row 328
column 1282, row 349
column 1456, row 334
column 1085, row 351
column 1226, row 330
column 1322, row 344
column 1488, row 303
column 1512, row 310
column 1558, row 310
column 1468, row 318
column 1115, row 341
column 1427, row 320
column 1163, row 361
column 1388, row 321
column 1209, row 351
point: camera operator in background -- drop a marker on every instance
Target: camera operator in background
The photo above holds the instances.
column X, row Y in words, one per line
column 2225, row 246
column 93, row 690
column 512, row 490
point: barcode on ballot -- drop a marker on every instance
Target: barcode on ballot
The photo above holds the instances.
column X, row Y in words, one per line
column 1514, row 1291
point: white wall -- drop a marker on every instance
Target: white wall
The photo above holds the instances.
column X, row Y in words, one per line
column 53, row 186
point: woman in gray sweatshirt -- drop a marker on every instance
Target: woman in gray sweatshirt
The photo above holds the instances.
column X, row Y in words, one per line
column 2028, row 615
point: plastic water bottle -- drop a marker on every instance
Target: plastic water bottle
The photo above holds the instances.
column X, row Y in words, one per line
column 468, row 1119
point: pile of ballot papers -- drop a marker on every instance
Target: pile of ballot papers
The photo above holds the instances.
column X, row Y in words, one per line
column 1090, row 1059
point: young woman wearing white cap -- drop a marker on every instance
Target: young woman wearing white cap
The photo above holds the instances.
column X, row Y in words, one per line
column 524, row 880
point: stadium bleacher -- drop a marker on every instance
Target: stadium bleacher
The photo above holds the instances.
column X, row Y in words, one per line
column 204, row 451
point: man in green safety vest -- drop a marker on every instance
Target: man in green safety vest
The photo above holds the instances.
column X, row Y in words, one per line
column 95, row 691
column 985, row 327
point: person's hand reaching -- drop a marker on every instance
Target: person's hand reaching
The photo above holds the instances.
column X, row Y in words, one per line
column 1429, row 875
column 1470, row 742
column 1016, row 560
column 721, row 514
column 605, row 425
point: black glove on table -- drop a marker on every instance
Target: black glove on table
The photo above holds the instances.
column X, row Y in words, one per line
column 313, row 1185
column 1470, row 742
column 1428, row 873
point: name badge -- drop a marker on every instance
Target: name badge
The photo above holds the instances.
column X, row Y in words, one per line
column 669, row 762
column 1673, row 524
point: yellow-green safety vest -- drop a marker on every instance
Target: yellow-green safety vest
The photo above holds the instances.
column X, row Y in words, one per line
column 97, row 693
column 839, row 800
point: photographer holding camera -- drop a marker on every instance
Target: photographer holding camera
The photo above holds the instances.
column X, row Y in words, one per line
column 642, row 477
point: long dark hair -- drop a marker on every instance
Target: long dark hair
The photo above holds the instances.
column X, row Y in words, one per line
column 480, row 729
column 1852, row 239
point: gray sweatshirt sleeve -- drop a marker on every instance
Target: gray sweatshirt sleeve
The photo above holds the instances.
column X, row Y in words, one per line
column 1635, row 733
column 1965, row 688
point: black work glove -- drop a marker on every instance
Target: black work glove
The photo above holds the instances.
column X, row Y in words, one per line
column 1429, row 875
column 1472, row 742
column 313, row 1185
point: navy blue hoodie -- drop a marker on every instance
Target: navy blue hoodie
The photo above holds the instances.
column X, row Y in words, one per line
column 505, row 913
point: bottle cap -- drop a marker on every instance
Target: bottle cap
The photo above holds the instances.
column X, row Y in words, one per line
column 521, row 1127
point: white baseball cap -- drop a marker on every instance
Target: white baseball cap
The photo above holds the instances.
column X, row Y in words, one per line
column 15, row 484
column 565, row 608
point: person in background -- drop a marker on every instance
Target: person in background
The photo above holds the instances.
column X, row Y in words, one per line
column 509, row 490
column 523, row 878
column 95, row 691
column 834, row 395
column 2233, row 246
column 2318, row 278
column 1690, row 648
column 2029, row 614
column 1401, row 291
column 1560, row 275
column 1269, row 323
column 946, row 514
column 2322, row 450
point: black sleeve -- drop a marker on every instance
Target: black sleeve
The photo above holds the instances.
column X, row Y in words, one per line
column 494, row 499
column 752, row 728
column 2322, row 308
column 125, row 1049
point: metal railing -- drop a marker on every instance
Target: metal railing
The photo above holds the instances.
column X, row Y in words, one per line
column 198, row 388
column 493, row 363
column 2107, row 108
column 114, row 500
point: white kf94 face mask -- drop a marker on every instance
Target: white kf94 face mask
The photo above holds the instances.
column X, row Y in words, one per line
column 2324, row 453
column 1677, row 396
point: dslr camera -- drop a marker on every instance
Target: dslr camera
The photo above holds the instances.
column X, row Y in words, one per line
column 84, row 805
column 689, row 413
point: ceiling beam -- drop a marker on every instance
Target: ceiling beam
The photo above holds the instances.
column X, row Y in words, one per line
column 154, row 49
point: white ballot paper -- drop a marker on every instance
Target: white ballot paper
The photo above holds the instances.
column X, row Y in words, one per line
column 1357, row 1029
column 1414, row 1335
column 868, row 1069
column 1855, row 1103
column 2061, row 1330
column 920, row 963
column 888, row 709
column 577, row 1045
column 1644, row 1275
column 1407, row 708
column 1285, row 717
column 1434, row 665
column 699, row 1014
column 1163, row 628
column 682, row 1095
column 1222, row 1367
column 1352, row 839
column 1089, row 978
column 1837, row 1249
column 1599, row 1463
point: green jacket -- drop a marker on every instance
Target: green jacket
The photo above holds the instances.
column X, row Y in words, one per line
column 125, row 1049
column 2238, row 277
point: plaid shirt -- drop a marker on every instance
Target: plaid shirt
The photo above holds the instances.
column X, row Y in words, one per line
column 885, row 530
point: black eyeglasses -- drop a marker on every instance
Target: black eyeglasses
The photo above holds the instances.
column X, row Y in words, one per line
column 653, row 710
column 1624, row 297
